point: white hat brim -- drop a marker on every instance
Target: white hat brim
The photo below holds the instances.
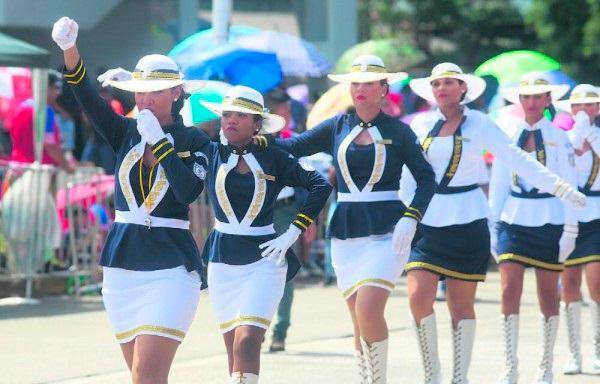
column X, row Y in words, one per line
column 557, row 91
column 137, row 85
column 566, row 104
column 475, row 86
column 271, row 123
column 367, row 77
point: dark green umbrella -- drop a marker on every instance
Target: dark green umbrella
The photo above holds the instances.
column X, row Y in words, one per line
column 397, row 55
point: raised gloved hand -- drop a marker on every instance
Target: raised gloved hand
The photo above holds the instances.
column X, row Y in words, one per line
column 64, row 32
column 584, row 127
column 566, row 244
column 403, row 235
column 149, row 127
column 570, row 195
column 118, row 74
column 276, row 249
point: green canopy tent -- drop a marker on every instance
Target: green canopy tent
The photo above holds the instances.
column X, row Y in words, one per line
column 18, row 53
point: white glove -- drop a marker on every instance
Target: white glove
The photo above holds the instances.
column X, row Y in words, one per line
column 566, row 244
column 149, row 127
column 571, row 196
column 118, row 74
column 403, row 235
column 277, row 248
column 64, row 32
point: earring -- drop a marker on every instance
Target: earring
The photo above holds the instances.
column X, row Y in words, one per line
column 174, row 99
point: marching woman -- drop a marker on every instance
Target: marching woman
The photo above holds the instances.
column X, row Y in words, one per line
column 584, row 103
column 248, row 265
column 534, row 229
column 151, row 285
column 371, row 229
column 455, row 240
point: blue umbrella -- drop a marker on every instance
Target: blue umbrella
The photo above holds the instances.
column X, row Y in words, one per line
column 559, row 77
column 200, row 57
column 233, row 65
column 205, row 40
column 297, row 56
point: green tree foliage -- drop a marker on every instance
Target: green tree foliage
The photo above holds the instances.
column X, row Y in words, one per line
column 465, row 31
column 570, row 32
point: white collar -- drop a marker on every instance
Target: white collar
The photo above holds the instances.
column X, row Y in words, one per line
column 538, row 125
column 440, row 116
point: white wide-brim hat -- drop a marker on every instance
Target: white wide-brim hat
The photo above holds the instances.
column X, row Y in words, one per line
column 247, row 100
column 368, row 68
column 534, row 83
column 152, row 73
column 422, row 86
column 581, row 94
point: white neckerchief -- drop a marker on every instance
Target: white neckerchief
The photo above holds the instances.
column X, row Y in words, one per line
column 260, row 189
column 380, row 157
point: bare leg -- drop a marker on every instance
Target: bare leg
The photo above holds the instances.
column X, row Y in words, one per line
column 152, row 359
column 246, row 349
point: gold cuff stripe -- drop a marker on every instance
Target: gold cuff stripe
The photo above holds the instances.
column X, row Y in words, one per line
column 242, row 319
column 408, row 214
column 163, row 142
column 78, row 80
column 530, row 261
column 582, row 260
column 302, row 215
column 370, row 281
column 300, row 224
column 444, row 271
column 75, row 72
column 165, row 154
column 415, row 211
column 150, row 328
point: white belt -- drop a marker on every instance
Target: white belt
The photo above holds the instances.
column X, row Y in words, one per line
column 150, row 221
column 368, row 196
column 237, row 229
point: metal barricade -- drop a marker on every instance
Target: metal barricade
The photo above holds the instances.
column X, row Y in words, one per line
column 47, row 214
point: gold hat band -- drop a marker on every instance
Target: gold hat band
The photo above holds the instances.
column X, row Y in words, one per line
column 368, row 68
column 576, row 96
column 535, row 82
column 156, row 75
column 244, row 103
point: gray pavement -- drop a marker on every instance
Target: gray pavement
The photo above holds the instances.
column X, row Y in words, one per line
column 64, row 340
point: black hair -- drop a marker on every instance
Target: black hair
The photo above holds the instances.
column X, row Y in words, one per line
column 54, row 78
column 385, row 82
column 177, row 106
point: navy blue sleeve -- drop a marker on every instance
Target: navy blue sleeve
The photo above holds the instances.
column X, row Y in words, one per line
column 291, row 173
column 111, row 126
column 318, row 139
column 414, row 158
column 186, row 178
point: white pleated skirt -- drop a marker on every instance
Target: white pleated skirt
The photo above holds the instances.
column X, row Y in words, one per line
column 366, row 261
column 161, row 302
column 245, row 294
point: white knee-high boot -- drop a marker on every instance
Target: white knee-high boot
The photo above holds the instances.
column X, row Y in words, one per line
column 463, row 337
column 595, row 312
column 375, row 357
column 427, row 340
column 550, row 328
column 362, row 367
column 510, row 334
column 572, row 312
column 243, row 378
